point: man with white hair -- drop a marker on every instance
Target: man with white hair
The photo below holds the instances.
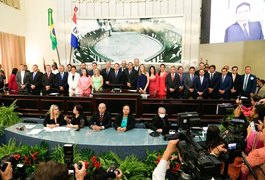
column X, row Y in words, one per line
column 160, row 120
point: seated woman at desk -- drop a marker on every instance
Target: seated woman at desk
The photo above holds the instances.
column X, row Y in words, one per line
column 124, row 121
column 53, row 118
column 78, row 120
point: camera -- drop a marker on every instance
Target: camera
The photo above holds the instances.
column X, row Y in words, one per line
column 197, row 163
column 18, row 168
column 112, row 171
column 69, row 157
column 233, row 135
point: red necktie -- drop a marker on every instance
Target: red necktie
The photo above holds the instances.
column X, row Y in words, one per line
column 100, row 118
column 180, row 76
column 172, row 77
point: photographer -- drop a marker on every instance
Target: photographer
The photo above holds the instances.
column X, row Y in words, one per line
column 100, row 174
column 161, row 169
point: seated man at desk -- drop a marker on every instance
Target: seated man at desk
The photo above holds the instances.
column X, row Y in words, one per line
column 54, row 118
column 101, row 119
column 159, row 120
column 124, row 121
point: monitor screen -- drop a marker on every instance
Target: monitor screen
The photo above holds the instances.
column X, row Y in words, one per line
column 232, row 21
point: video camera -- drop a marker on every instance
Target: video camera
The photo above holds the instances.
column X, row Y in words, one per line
column 197, row 164
column 233, row 133
column 69, row 158
column 186, row 120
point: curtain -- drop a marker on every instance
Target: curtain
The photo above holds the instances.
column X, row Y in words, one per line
column 12, row 3
column 12, row 52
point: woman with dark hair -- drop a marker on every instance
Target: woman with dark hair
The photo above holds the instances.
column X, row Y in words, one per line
column 153, row 81
column 12, row 83
column 162, row 74
column 78, row 120
column 125, row 120
column 212, row 137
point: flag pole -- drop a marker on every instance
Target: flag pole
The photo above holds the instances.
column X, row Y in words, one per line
column 71, row 50
column 59, row 60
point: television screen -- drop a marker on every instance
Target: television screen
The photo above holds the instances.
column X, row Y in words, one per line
column 233, row 20
column 237, row 20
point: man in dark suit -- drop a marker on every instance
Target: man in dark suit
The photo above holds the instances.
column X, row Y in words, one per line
column 83, row 66
column 123, row 66
column 116, row 77
column 249, row 83
column 101, row 119
column 22, row 78
column 172, row 83
column 130, row 76
column 35, row 78
column 94, row 66
column 106, row 72
column 201, row 66
column 213, row 77
column 243, row 29
column 182, row 77
column 228, row 72
column 225, row 84
column 201, row 84
column 136, row 63
column 236, row 83
column 160, row 120
column 49, row 81
column 61, row 81
column 188, row 83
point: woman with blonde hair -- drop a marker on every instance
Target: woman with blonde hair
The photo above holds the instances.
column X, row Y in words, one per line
column 142, row 80
column 54, row 118
column 97, row 80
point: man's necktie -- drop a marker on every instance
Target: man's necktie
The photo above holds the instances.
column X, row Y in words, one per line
column 100, row 119
column 172, row 77
column 34, row 74
column 245, row 82
column 245, row 30
column 211, row 77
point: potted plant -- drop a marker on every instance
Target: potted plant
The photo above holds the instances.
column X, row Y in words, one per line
column 8, row 116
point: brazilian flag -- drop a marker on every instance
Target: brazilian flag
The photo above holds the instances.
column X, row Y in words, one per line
column 52, row 30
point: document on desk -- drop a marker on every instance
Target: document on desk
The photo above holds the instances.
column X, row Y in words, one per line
column 56, row 129
column 35, row 131
column 29, row 126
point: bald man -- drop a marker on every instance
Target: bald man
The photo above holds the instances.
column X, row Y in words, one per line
column 100, row 119
column 160, row 120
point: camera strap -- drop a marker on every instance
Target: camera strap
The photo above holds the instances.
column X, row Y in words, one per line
column 261, row 168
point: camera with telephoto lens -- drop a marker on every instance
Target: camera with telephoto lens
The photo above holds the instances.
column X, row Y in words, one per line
column 112, row 171
column 69, row 157
column 197, row 163
column 18, row 168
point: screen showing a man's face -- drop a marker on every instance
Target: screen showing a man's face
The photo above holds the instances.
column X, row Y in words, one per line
column 243, row 14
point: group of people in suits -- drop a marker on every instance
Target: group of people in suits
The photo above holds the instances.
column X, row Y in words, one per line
column 100, row 120
column 206, row 82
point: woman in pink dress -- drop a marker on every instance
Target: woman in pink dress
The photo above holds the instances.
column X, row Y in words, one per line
column 84, row 83
column 162, row 74
column 12, row 84
column 153, row 81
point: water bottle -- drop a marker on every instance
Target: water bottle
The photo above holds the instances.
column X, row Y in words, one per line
column 40, row 93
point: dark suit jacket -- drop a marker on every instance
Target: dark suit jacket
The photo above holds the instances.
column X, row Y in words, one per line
column 198, row 87
column 131, row 78
column 237, row 84
column 173, row 84
column 62, row 81
column 130, row 123
column 206, row 74
column 226, row 85
column 158, row 123
column 116, row 81
column 214, row 82
column 106, row 120
column 51, row 81
column 36, row 82
column 25, row 80
column 106, row 76
column 251, row 86
column 188, row 83
column 236, row 33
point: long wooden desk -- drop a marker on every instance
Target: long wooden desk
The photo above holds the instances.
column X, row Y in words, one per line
column 144, row 109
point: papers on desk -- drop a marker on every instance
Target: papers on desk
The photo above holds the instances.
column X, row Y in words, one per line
column 56, row 129
column 35, row 131
column 28, row 126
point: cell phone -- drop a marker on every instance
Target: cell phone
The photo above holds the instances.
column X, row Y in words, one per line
column 252, row 124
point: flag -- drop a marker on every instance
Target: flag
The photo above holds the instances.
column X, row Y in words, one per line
column 74, row 40
column 52, row 30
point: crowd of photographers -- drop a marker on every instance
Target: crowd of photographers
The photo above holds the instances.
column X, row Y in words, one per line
column 238, row 144
column 234, row 149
